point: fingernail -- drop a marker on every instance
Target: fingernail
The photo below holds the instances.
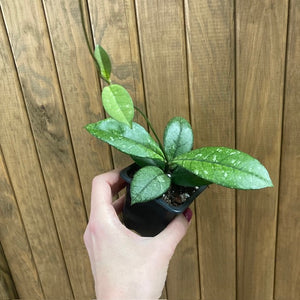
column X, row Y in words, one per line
column 188, row 214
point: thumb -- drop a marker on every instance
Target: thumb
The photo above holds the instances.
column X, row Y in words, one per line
column 176, row 230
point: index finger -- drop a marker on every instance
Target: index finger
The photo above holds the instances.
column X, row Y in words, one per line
column 104, row 187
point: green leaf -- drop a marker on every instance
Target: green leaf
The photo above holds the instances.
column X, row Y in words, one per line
column 134, row 141
column 178, row 137
column 103, row 61
column 228, row 167
column 118, row 103
column 183, row 177
column 148, row 183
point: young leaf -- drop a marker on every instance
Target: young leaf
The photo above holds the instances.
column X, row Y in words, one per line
column 227, row 167
column 118, row 103
column 178, row 137
column 103, row 61
column 134, row 141
column 183, row 177
column 148, row 183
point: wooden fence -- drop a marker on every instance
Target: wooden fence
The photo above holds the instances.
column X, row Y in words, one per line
column 231, row 67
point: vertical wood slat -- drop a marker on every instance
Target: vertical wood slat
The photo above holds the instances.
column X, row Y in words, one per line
column 287, row 277
column 114, row 27
column 80, row 89
column 261, row 37
column 163, row 53
column 260, row 57
column 162, row 44
column 210, row 39
column 33, row 57
column 7, row 286
column 14, row 240
column 23, row 164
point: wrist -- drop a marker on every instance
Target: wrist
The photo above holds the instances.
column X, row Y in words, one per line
column 125, row 293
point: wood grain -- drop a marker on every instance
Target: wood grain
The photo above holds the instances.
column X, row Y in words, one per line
column 163, row 52
column 7, row 286
column 114, row 27
column 28, row 183
column 190, row 56
column 163, row 60
column 261, row 37
column 210, row 38
column 287, row 277
column 36, row 69
column 14, row 241
column 183, row 275
column 80, row 89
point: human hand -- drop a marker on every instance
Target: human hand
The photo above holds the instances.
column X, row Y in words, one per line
column 124, row 264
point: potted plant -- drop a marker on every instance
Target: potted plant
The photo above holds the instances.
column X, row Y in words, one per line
column 166, row 176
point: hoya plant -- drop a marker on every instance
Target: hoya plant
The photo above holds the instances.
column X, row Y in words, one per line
column 172, row 161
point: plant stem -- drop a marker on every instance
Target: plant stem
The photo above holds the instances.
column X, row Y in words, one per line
column 152, row 129
column 88, row 43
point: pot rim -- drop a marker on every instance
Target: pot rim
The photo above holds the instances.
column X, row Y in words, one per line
column 176, row 209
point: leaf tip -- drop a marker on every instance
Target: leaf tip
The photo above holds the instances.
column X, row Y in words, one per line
column 270, row 184
column 87, row 127
column 134, row 198
column 126, row 122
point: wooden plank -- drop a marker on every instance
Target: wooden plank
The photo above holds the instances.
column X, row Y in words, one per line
column 114, row 27
column 210, row 36
column 261, row 38
column 7, row 286
column 211, row 70
column 14, row 241
column 183, row 274
column 287, row 277
column 34, row 60
column 26, row 177
column 162, row 41
column 80, row 89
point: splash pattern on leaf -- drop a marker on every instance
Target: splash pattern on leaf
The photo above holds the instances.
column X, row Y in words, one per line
column 178, row 137
column 227, row 167
column 148, row 183
column 134, row 141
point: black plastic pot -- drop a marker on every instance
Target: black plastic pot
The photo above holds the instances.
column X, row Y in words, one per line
column 150, row 218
